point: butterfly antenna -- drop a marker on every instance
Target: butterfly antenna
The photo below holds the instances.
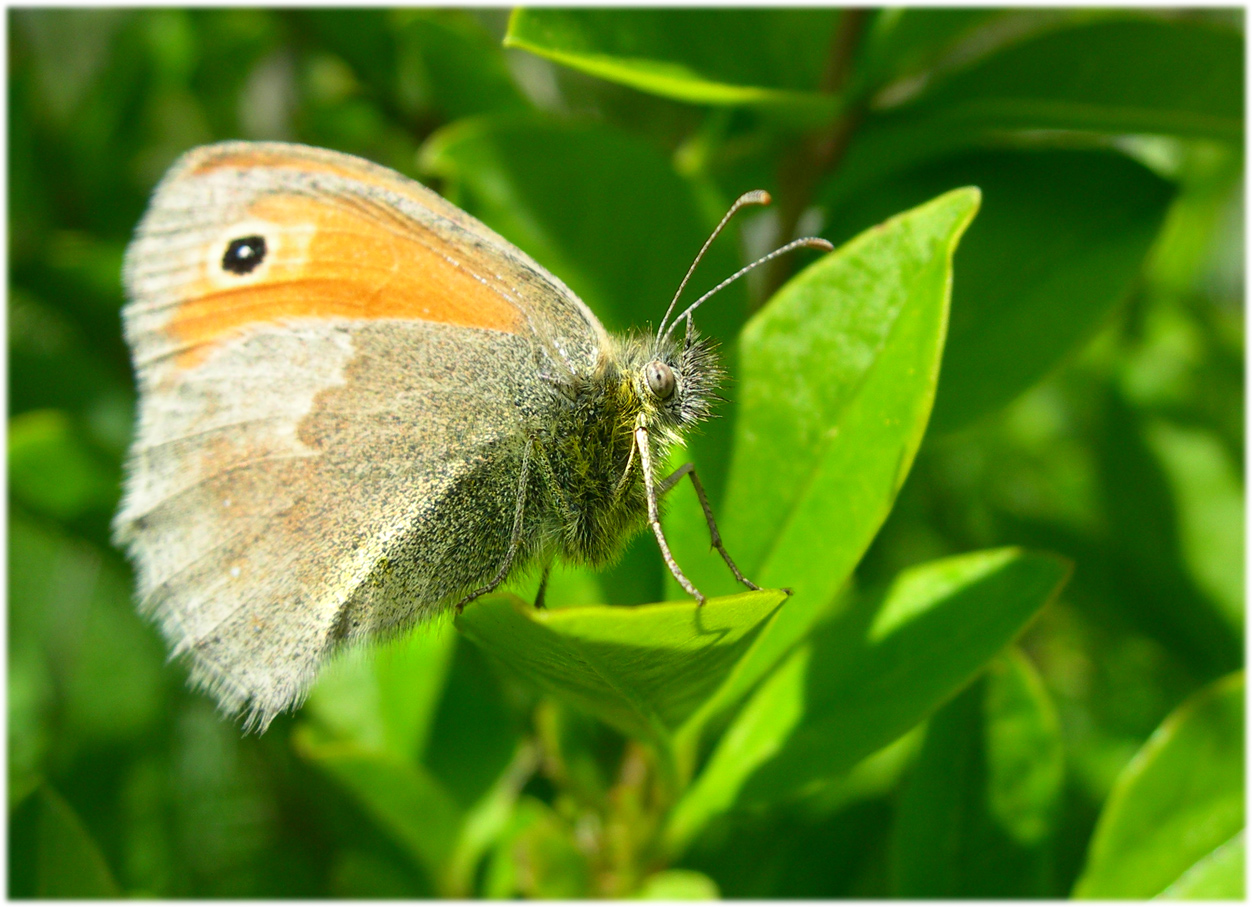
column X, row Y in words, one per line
column 811, row 242
column 755, row 197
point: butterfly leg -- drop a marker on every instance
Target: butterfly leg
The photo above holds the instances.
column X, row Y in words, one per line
column 687, row 469
column 515, row 541
column 654, row 520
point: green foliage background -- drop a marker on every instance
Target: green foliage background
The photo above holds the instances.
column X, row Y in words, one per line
column 897, row 734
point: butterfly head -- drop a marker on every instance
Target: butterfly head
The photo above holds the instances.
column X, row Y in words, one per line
column 671, row 382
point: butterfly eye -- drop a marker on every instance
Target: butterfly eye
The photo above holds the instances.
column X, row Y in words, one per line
column 244, row 255
column 660, row 380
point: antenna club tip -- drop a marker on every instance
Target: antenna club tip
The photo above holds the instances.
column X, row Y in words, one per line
column 816, row 242
column 755, row 197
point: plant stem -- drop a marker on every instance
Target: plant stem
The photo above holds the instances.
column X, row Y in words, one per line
column 819, row 152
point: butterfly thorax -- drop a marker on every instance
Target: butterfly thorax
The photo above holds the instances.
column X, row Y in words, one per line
column 596, row 485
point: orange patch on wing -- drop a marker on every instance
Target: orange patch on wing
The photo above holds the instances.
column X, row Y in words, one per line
column 326, row 260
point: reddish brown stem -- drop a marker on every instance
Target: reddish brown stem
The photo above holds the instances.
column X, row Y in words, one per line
column 819, row 152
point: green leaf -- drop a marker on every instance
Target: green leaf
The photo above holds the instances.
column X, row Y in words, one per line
column 978, row 814
column 642, row 669
column 866, row 677
column 837, row 375
column 770, row 57
column 1153, row 588
column 1121, row 74
column 678, row 885
column 446, row 61
column 474, row 734
column 1179, row 802
column 1218, row 876
column 1059, row 240
column 405, row 801
column 1126, row 75
column 489, row 821
column 540, row 858
column 384, row 698
column 71, row 614
column 1208, row 496
column 70, row 864
column 53, row 471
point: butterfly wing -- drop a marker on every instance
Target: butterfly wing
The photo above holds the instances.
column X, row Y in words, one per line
column 338, row 374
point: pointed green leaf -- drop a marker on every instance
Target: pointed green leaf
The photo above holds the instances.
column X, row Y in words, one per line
column 1209, row 502
column 1218, row 876
column 1060, row 239
column 977, row 816
column 70, row 862
column 771, row 57
column 1126, row 75
column 1179, row 801
column 1116, row 74
column 642, row 669
column 837, row 375
column 866, row 677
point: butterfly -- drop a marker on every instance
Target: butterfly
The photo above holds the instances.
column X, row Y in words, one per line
column 360, row 408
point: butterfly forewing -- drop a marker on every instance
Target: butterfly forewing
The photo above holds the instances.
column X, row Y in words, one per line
column 327, row 354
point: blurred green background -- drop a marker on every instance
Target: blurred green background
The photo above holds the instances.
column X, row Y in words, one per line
column 1091, row 401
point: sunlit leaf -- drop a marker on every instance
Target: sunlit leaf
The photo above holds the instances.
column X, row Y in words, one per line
column 837, row 376
column 769, row 57
column 678, row 885
column 642, row 669
column 1179, row 802
column 1218, row 876
column 866, row 677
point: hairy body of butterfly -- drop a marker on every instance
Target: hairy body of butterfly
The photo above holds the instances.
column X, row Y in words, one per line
column 596, row 497
column 359, row 408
